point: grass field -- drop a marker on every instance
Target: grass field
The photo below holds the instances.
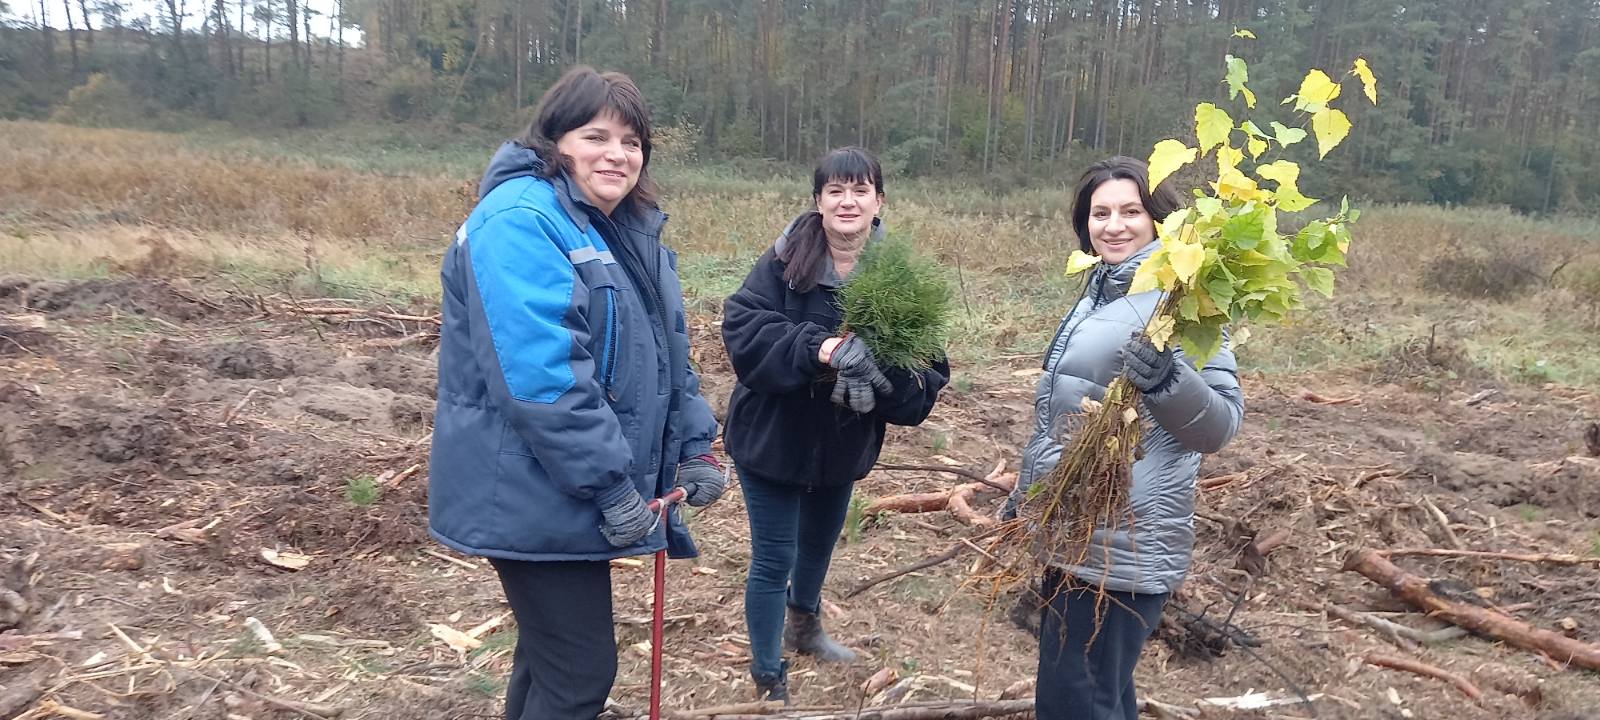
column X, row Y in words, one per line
column 366, row 214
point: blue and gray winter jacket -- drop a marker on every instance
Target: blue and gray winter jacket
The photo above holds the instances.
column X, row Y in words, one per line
column 564, row 378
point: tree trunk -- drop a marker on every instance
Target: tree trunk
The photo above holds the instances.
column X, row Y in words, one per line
column 291, row 13
column 222, row 38
column 268, row 33
column 658, row 48
column 88, row 29
column 72, row 37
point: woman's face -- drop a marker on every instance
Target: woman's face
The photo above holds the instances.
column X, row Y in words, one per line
column 1119, row 225
column 607, row 157
column 848, row 206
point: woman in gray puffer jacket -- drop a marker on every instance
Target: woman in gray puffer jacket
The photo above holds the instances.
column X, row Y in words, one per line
column 1087, row 656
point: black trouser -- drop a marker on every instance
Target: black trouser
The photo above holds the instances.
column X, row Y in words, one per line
column 566, row 657
column 1083, row 681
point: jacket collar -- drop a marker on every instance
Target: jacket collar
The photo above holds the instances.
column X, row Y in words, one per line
column 512, row 160
column 1111, row 281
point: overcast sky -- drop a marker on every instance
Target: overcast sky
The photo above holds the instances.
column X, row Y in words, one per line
column 27, row 11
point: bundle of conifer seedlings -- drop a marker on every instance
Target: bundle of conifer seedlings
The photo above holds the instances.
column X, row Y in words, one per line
column 899, row 303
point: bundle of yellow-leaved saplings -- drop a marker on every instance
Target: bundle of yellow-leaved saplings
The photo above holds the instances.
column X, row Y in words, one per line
column 1222, row 263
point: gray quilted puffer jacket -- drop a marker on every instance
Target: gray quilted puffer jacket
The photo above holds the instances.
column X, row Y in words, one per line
column 1198, row 412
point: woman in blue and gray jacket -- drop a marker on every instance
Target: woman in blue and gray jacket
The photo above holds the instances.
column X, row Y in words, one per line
column 1086, row 659
column 806, row 420
column 566, row 400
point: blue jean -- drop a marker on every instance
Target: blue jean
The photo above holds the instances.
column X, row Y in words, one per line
column 792, row 533
column 1086, row 662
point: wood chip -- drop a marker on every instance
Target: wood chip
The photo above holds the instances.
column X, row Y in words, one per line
column 457, row 640
column 285, row 559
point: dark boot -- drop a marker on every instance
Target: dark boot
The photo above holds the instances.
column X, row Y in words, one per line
column 1026, row 608
column 803, row 633
column 773, row 687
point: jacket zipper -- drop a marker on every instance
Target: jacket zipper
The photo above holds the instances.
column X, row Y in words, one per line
column 608, row 354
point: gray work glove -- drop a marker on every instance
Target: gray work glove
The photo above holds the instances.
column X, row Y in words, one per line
column 859, row 380
column 627, row 519
column 702, row 481
column 1149, row 369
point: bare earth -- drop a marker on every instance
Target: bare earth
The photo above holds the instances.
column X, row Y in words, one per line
column 205, row 426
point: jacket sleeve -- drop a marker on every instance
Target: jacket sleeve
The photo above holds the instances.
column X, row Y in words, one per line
column 697, row 425
column 914, row 393
column 769, row 352
column 529, row 332
column 1202, row 408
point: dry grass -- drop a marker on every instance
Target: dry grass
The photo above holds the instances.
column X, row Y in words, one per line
column 80, row 201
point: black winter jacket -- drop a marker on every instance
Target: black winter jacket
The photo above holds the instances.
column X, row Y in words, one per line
column 781, row 424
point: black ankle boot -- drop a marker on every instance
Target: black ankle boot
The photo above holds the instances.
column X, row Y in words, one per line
column 803, row 633
column 773, row 687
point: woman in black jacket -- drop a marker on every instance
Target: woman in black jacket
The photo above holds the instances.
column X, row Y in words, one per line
column 806, row 420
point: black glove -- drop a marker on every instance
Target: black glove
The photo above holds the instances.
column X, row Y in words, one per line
column 702, row 481
column 627, row 518
column 859, row 380
column 1149, row 369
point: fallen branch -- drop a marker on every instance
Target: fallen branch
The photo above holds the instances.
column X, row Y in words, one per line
column 382, row 315
column 1407, row 638
column 1540, row 558
column 1212, row 483
column 1415, row 590
column 948, row 554
column 961, row 472
column 1421, row 668
column 1309, row 396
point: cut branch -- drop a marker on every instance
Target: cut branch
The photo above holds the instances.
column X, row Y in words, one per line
column 1414, row 590
column 1421, row 668
column 1540, row 558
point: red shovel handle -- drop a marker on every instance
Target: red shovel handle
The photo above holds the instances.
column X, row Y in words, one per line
column 659, row 607
column 672, row 498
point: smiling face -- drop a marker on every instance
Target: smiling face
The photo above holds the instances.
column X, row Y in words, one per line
column 607, row 157
column 1119, row 224
column 848, row 206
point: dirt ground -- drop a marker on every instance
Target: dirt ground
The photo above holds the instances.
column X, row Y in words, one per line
column 161, row 439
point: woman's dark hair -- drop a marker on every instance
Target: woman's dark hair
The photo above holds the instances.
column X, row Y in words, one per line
column 806, row 251
column 1159, row 203
column 575, row 99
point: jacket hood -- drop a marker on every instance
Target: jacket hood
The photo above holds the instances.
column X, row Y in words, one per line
column 510, row 161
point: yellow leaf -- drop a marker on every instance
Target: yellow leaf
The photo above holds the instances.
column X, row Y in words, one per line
column 1144, row 279
column 1080, row 261
column 1211, row 126
column 1369, row 82
column 1243, row 34
column 1240, row 338
column 1235, row 185
column 1228, row 158
column 1167, row 157
column 1174, row 223
column 1167, row 277
column 1316, row 91
column 1286, row 174
column 1283, row 172
column 1256, row 147
column 1160, row 331
column 1186, row 259
column 1330, row 126
column 1208, row 306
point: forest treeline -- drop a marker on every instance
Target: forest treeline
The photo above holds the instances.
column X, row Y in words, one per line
column 1483, row 101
